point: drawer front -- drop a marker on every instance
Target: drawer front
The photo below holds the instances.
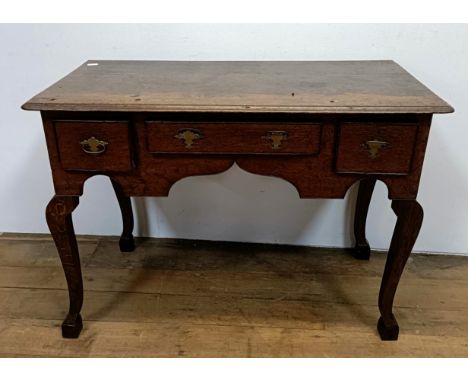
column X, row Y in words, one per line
column 379, row 148
column 233, row 138
column 93, row 145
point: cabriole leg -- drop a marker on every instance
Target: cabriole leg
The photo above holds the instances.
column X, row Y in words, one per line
column 361, row 248
column 58, row 214
column 126, row 242
column 409, row 219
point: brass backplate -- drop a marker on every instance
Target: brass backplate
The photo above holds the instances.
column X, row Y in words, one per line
column 374, row 147
column 189, row 136
column 276, row 138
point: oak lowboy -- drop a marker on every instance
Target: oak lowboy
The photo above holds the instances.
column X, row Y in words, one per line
column 321, row 126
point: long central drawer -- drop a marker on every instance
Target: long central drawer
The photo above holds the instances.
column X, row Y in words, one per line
column 233, row 138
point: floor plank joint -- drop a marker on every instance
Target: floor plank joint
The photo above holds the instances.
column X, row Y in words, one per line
column 184, row 298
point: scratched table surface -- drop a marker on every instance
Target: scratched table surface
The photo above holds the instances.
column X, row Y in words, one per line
column 240, row 86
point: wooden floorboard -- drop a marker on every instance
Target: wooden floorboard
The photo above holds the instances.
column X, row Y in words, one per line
column 187, row 298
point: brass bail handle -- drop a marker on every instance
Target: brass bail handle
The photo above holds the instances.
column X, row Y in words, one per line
column 276, row 138
column 93, row 146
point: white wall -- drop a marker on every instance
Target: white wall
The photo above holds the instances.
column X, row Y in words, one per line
column 235, row 205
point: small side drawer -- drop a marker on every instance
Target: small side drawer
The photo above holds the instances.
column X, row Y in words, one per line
column 233, row 138
column 376, row 148
column 94, row 145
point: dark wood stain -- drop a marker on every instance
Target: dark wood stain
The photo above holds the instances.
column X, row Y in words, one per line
column 234, row 138
column 117, row 156
column 394, row 157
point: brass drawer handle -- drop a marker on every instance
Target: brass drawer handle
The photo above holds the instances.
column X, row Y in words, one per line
column 189, row 136
column 276, row 138
column 373, row 147
column 93, row 146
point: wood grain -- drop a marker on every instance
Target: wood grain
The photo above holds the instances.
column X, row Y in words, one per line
column 242, row 86
column 314, row 176
column 117, row 155
column 104, row 339
column 58, row 215
column 394, row 157
column 323, row 305
column 385, row 136
column 234, row 138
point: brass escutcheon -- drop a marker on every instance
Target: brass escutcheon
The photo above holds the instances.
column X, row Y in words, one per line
column 189, row 136
column 93, row 146
column 276, row 138
column 373, row 147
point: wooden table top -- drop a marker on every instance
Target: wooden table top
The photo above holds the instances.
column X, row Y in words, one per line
column 240, row 86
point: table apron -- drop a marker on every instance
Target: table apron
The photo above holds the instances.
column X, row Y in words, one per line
column 343, row 150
